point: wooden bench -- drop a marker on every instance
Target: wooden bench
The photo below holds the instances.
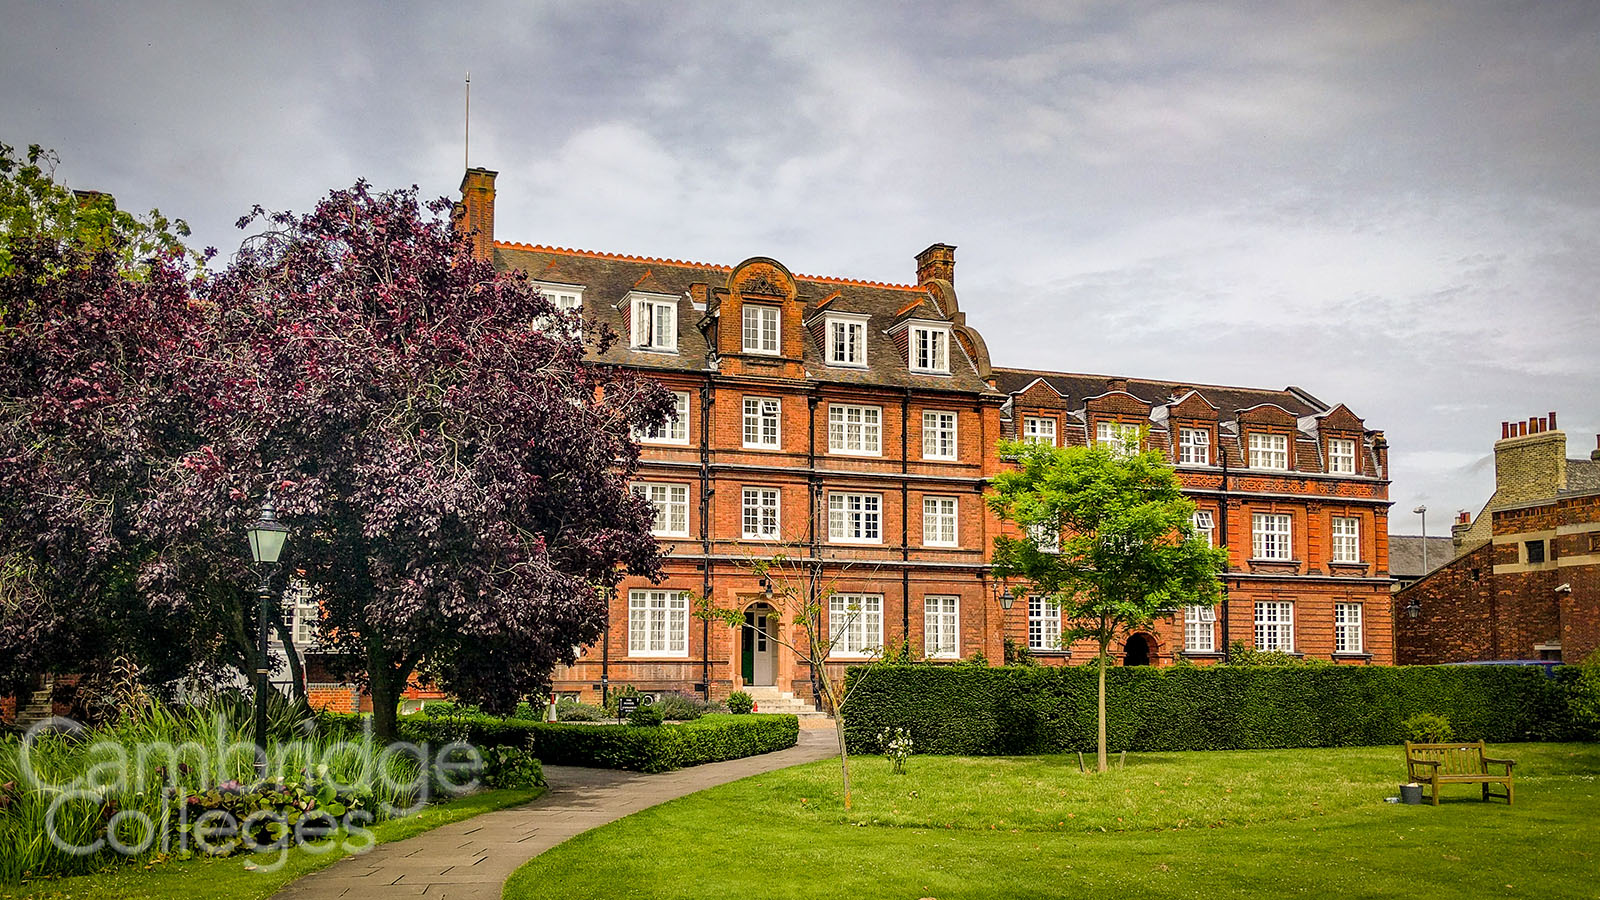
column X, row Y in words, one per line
column 1457, row 763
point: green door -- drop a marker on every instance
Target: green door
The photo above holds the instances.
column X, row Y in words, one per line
column 747, row 648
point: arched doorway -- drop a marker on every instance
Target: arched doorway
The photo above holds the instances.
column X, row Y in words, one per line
column 1139, row 650
column 758, row 652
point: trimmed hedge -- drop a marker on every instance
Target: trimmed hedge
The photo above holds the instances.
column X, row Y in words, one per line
column 711, row 738
column 1015, row 710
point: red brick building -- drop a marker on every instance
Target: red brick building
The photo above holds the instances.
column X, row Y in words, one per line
column 1295, row 489
column 1525, row 581
column 851, row 426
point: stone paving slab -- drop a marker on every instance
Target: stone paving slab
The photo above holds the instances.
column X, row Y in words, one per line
column 471, row 860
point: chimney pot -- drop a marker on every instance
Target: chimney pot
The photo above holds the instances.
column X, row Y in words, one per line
column 1505, row 430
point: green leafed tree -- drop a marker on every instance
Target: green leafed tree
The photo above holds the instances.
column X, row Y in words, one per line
column 1107, row 535
column 34, row 206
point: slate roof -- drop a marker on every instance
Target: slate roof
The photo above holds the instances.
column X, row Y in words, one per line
column 1583, row 476
column 608, row 278
column 1228, row 400
column 1405, row 554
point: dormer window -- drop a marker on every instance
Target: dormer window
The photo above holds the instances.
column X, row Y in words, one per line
column 761, row 329
column 1269, row 451
column 655, row 324
column 1121, row 438
column 847, row 340
column 930, row 349
column 1194, row 446
column 1342, row 457
column 565, row 297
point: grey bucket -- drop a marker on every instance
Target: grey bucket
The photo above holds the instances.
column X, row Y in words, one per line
column 1411, row 794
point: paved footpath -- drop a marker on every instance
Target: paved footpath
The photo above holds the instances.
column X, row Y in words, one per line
column 473, row 858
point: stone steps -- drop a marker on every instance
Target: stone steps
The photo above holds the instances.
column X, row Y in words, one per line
column 772, row 700
column 39, row 707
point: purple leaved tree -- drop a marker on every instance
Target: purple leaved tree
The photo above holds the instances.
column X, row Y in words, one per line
column 454, row 475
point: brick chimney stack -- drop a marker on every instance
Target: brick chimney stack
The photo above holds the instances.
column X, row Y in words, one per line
column 1595, row 453
column 937, row 263
column 1530, row 460
column 475, row 215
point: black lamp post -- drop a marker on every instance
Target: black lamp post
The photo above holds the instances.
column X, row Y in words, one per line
column 267, row 535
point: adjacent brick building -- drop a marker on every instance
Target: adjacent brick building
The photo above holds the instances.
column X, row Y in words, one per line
column 1525, row 581
column 851, row 426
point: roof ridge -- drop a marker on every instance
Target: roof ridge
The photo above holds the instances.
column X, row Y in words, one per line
column 1172, row 381
column 600, row 254
column 628, row 257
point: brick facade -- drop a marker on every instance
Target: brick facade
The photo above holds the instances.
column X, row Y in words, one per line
column 1526, row 582
column 1308, row 489
column 708, row 464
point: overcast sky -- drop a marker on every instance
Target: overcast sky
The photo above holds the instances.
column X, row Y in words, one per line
column 1392, row 205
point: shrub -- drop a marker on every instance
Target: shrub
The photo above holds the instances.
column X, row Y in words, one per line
column 1018, row 654
column 661, row 748
column 573, row 711
column 1427, row 728
column 681, row 707
column 614, row 697
column 507, row 766
column 1049, row 709
column 646, row 716
column 1581, row 684
column 896, row 747
column 740, row 703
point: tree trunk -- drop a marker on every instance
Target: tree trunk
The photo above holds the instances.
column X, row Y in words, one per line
column 383, row 680
column 844, row 758
column 838, row 729
column 1102, row 709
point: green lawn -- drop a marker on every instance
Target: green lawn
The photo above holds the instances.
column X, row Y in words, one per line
column 241, row 877
column 1225, row 824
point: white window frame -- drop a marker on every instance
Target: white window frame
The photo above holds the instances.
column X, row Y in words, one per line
column 855, row 624
column 565, row 297
column 861, row 437
column 762, row 329
column 1044, row 625
column 302, row 613
column 1039, row 430
column 1347, row 628
column 846, row 334
column 1046, row 538
column 761, row 513
column 1121, row 438
column 941, row 521
column 1346, row 541
column 928, row 349
column 1341, row 456
column 1271, row 536
column 671, row 501
column 1275, row 625
column 1199, row 629
column 1205, row 524
column 939, row 434
column 763, row 423
column 1269, row 451
column 1194, row 447
column 658, row 623
column 853, row 516
column 655, row 324
column 941, row 626
column 672, row 431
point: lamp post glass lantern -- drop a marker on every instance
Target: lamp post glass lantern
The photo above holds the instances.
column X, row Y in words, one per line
column 267, row 536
